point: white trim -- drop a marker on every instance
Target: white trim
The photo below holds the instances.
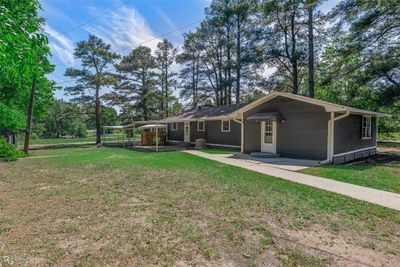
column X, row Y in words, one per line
column 331, row 133
column 242, row 137
column 186, row 131
column 172, row 126
column 354, row 151
column 329, row 107
column 222, row 126
column 204, row 126
column 241, row 122
column 166, row 134
column 369, row 129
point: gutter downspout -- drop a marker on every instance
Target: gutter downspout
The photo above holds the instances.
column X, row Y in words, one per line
column 241, row 133
column 331, row 135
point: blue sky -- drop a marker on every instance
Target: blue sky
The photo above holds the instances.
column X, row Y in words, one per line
column 122, row 23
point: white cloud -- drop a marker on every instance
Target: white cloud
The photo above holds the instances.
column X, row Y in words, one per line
column 60, row 45
column 124, row 29
column 167, row 21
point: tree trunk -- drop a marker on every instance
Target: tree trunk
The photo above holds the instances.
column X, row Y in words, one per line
column 194, row 83
column 98, row 114
column 238, row 59
column 229, row 66
column 30, row 115
column 294, row 55
column 310, row 53
column 166, row 93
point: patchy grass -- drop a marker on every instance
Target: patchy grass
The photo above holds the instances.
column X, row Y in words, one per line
column 52, row 141
column 389, row 136
column 110, row 206
column 218, row 151
column 381, row 171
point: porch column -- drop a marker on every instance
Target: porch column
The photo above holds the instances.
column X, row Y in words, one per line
column 156, row 137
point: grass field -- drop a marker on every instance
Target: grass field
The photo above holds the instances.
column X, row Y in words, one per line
column 48, row 142
column 380, row 172
column 219, row 151
column 109, row 206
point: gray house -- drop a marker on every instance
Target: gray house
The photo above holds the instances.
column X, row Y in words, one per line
column 285, row 124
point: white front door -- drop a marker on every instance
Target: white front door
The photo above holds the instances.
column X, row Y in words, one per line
column 268, row 136
column 186, row 132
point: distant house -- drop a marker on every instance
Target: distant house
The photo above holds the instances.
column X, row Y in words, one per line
column 281, row 123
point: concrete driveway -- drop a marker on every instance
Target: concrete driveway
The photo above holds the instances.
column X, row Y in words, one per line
column 379, row 197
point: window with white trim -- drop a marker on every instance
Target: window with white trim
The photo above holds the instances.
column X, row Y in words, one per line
column 200, row 126
column 366, row 127
column 225, row 126
column 174, row 126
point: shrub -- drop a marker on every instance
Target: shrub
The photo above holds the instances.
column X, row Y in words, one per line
column 8, row 152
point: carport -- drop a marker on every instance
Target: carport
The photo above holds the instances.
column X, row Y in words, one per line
column 127, row 135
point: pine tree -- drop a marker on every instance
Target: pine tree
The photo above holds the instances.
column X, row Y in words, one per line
column 138, row 83
column 97, row 60
column 165, row 57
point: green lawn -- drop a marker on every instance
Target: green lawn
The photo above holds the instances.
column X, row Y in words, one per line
column 219, row 151
column 92, row 206
column 56, row 141
column 384, row 173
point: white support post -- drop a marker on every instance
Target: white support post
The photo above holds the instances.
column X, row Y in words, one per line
column 134, row 135
column 166, row 132
column 156, row 137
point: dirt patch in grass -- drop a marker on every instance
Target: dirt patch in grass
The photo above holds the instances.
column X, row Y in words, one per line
column 93, row 208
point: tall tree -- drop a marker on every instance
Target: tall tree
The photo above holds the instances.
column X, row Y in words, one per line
column 24, row 89
column 239, row 36
column 138, row 85
column 287, row 41
column 313, row 20
column 165, row 57
column 97, row 60
column 40, row 66
column 191, row 72
column 361, row 66
column 369, row 51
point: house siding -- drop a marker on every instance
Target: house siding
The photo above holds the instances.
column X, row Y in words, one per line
column 175, row 135
column 303, row 134
column 216, row 136
column 348, row 134
column 194, row 134
column 212, row 133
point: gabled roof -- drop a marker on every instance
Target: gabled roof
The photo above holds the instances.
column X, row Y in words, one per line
column 205, row 113
column 329, row 107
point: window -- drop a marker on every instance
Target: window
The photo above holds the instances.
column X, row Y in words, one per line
column 225, row 126
column 174, row 126
column 366, row 127
column 200, row 126
column 268, row 132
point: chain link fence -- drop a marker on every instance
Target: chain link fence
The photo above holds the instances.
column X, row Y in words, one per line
column 69, row 141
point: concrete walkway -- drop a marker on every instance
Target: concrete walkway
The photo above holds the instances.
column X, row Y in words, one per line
column 379, row 197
